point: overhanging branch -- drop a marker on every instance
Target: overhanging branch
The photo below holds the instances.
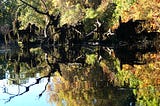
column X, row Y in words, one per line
column 35, row 8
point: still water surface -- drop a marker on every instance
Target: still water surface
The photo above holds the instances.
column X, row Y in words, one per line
column 29, row 77
column 28, row 99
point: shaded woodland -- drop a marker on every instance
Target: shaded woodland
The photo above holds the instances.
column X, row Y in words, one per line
column 129, row 41
column 115, row 54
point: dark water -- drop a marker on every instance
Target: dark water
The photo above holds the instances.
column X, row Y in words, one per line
column 32, row 77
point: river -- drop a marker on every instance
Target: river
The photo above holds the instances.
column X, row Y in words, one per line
column 57, row 76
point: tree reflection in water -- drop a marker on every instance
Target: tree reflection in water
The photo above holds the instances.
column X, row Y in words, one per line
column 83, row 71
column 81, row 83
column 85, row 86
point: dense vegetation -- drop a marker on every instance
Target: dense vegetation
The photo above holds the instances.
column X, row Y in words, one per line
column 143, row 79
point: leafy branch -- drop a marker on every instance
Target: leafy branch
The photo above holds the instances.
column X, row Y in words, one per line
column 35, row 9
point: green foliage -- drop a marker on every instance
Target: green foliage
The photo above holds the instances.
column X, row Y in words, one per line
column 123, row 77
column 116, row 63
column 127, row 78
column 71, row 15
column 91, row 59
column 30, row 16
column 7, row 11
column 71, row 11
column 144, row 78
column 122, row 5
column 91, row 13
column 148, row 96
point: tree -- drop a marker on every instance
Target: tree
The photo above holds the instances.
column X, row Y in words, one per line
column 8, row 10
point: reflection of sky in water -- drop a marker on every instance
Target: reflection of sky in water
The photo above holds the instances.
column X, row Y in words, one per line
column 30, row 98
